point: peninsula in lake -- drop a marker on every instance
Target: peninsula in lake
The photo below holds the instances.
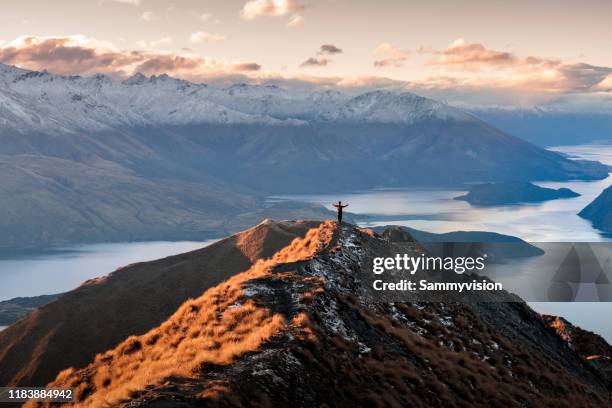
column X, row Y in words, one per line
column 513, row 192
column 599, row 212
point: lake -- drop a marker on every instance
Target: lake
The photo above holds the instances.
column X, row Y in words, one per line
column 67, row 268
column 428, row 209
column 434, row 210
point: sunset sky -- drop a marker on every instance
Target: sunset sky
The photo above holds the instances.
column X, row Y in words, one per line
column 473, row 52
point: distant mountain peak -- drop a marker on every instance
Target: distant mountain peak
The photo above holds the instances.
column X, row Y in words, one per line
column 164, row 100
column 136, row 79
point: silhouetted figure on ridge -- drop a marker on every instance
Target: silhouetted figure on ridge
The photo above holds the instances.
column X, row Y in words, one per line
column 339, row 208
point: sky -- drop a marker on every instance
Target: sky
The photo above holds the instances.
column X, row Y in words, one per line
column 472, row 52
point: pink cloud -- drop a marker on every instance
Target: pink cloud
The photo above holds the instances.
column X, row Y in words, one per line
column 315, row 62
column 503, row 69
column 470, row 55
column 389, row 56
column 84, row 56
column 268, row 8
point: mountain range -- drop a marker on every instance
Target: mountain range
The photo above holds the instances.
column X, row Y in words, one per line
column 494, row 245
column 93, row 159
column 277, row 316
column 550, row 126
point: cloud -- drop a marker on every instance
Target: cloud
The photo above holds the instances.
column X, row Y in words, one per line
column 329, row 49
column 503, row 69
column 295, row 21
column 315, row 62
column 389, row 56
column 204, row 37
column 580, row 76
column 154, row 43
column 80, row 55
column 148, row 16
column 130, row 2
column 156, row 64
column 466, row 56
column 531, row 80
column 208, row 18
column 605, row 85
column 319, row 60
column 474, row 56
column 65, row 55
column 245, row 66
column 269, row 8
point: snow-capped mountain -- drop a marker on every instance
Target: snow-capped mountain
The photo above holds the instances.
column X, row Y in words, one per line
column 41, row 101
column 551, row 125
column 96, row 159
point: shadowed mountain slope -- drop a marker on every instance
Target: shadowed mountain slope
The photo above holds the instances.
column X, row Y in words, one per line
column 589, row 345
column 102, row 312
column 298, row 329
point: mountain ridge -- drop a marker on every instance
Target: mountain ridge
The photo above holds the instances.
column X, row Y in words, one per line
column 134, row 294
column 98, row 102
column 297, row 329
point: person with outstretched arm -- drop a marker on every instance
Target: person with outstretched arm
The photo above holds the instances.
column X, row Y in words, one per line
column 339, row 208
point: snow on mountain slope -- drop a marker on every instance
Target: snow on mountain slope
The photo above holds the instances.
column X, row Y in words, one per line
column 45, row 102
column 40, row 101
column 388, row 107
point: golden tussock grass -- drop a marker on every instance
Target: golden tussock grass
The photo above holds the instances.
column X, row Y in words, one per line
column 303, row 327
column 213, row 329
column 367, row 231
column 558, row 325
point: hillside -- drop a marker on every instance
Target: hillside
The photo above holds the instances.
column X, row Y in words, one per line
column 599, row 211
column 92, row 159
column 513, row 192
column 50, row 201
column 297, row 329
column 14, row 309
column 589, row 345
column 102, row 312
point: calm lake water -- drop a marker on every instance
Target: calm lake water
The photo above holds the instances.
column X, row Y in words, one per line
column 64, row 270
column 434, row 210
